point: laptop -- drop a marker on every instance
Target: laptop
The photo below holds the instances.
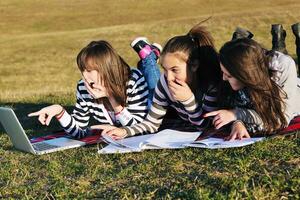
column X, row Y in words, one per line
column 20, row 141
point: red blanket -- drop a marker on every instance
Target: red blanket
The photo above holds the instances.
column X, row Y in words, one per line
column 92, row 139
column 96, row 137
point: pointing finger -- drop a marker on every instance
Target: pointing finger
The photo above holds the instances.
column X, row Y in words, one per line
column 34, row 114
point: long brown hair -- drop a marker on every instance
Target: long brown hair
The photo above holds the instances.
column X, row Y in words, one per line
column 112, row 69
column 248, row 62
column 199, row 50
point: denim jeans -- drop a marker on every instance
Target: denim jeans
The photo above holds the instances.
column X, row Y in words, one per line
column 148, row 66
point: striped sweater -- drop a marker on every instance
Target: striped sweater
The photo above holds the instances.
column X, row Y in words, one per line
column 189, row 110
column 77, row 123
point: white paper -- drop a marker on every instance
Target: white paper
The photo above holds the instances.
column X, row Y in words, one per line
column 131, row 144
column 219, row 143
column 109, row 140
column 164, row 139
column 170, row 139
column 109, row 149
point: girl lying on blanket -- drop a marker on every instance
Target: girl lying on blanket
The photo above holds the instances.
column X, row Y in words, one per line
column 109, row 91
column 264, row 95
column 189, row 83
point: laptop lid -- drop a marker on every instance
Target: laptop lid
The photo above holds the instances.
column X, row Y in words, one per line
column 20, row 140
column 14, row 130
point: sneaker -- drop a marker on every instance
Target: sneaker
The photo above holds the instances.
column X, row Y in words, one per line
column 157, row 49
column 141, row 46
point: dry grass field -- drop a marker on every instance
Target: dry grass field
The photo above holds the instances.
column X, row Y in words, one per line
column 39, row 41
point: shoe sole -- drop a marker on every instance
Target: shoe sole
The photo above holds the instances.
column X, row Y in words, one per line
column 158, row 46
column 136, row 40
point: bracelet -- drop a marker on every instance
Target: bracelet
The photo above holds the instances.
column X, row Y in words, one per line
column 117, row 113
column 58, row 116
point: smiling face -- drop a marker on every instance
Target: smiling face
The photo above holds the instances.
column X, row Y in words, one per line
column 175, row 68
column 234, row 83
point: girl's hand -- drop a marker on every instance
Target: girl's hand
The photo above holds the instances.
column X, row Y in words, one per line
column 238, row 131
column 97, row 91
column 104, row 127
column 221, row 117
column 46, row 114
column 180, row 90
column 117, row 133
column 112, row 131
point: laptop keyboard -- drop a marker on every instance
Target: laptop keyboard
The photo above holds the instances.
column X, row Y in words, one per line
column 41, row 146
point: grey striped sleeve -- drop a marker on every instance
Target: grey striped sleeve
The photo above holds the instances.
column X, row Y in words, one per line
column 151, row 123
column 195, row 110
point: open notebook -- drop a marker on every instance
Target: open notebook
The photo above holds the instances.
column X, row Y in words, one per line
column 165, row 139
column 172, row 139
column 169, row 139
column 218, row 143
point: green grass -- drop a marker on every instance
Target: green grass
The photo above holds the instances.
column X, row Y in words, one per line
column 39, row 42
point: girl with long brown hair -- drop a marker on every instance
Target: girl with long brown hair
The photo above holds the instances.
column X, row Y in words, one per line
column 110, row 91
column 188, row 85
column 264, row 96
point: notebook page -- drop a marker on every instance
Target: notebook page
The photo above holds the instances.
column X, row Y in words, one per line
column 170, row 139
column 127, row 145
column 218, row 143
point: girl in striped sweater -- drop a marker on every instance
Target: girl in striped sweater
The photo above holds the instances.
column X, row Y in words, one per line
column 109, row 91
column 189, row 83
